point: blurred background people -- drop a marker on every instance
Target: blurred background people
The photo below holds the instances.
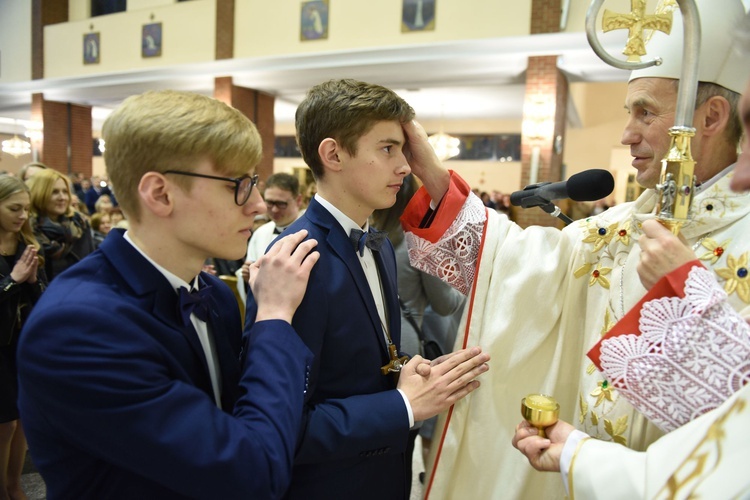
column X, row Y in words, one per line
column 21, row 283
column 97, row 188
column 65, row 234
column 101, row 223
column 283, row 206
column 28, row 170
column 103, row 204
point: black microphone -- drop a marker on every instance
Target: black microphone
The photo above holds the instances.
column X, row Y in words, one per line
column 589, row 185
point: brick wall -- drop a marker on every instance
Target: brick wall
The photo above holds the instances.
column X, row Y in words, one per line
column 258, row 106
column 547, row 89
column 545, row 16
column 67, row 145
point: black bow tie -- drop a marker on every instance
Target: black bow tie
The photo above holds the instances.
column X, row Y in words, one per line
column 195, row 302
column 373, row 239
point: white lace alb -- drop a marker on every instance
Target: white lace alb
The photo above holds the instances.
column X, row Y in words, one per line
column 692, row 354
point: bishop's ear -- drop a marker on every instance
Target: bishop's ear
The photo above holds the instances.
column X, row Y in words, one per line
column 717, row 117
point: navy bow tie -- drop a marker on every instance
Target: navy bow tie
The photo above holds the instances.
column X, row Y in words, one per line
column 195, row 302
column 373, row 239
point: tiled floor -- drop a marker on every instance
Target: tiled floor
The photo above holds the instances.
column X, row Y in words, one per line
column 33, row 484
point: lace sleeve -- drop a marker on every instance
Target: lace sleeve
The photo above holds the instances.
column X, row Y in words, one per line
column 691, row 355
column 453, row 257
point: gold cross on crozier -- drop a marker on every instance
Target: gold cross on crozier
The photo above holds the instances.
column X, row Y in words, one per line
column 636, row 22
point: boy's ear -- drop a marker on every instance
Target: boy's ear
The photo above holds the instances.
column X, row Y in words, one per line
column 155, row 194
column 328, row 150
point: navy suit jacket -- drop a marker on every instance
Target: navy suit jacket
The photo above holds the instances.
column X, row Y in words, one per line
column 356, row 423
column 116, row 398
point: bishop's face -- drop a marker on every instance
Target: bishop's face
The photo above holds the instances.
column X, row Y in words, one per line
column 651, row 105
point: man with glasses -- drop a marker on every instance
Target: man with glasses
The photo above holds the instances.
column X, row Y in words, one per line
column 283, row 202
column 137, row 381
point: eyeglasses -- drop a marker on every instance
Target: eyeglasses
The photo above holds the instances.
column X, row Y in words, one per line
column 281, row 205
column 243, row 186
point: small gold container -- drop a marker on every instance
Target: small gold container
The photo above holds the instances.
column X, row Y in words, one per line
column 540, row 411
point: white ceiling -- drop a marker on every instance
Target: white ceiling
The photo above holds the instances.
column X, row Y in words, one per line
column 478, row 79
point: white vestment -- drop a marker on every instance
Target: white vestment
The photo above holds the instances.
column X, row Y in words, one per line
column 540, row 298
column 705, row 458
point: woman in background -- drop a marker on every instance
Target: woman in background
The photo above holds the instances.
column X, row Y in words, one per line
column 64, row 233
column 21, row 282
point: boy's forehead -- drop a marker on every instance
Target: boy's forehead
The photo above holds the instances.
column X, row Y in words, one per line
column 386, row 131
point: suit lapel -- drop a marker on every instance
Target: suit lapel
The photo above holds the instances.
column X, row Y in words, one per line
column 340, row 245
column 153, row 288
column 386, row 263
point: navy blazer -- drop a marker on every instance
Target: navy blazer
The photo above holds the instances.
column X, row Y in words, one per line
column 116, row 398
column 356, row 423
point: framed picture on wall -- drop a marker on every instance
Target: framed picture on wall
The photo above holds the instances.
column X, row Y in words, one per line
column 314, row 20
column 151, row 40
column 91, row 48
column 417, row 15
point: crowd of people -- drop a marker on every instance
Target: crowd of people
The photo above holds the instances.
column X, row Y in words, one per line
column 325, row 387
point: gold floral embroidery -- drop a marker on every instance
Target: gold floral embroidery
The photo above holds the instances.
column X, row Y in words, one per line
column 600, row 236
column 594, row 419
column 604, row 391
column 623, row 234
column 606, row 327
column 617, row 429
column 598, row 276
column 584, row 406
column 583, row 270
column 736, row 276
column 715, row 250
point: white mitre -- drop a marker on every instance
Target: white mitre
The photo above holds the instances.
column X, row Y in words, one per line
column 720, row 61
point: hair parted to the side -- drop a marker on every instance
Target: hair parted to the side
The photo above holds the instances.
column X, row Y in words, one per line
column 344, row 110
column 9, row 186
column 285, row 182
column 170, row 130
column 41, row 186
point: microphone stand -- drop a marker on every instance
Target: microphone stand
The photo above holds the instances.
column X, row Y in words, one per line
column 555, row 211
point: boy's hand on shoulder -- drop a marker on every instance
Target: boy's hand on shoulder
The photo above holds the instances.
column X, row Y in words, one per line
column 432, row 389
column 279, row 279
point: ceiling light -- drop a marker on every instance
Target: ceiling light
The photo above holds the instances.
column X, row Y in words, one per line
column 445, row 146
column 16, row 147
